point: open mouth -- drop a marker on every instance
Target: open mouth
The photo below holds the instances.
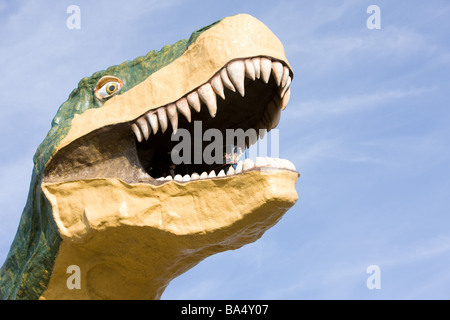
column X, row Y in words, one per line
column 245, row 94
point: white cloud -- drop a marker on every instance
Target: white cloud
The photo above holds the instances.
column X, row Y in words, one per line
column 351, row 103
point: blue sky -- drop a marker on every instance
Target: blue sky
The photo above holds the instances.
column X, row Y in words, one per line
column 367, row 127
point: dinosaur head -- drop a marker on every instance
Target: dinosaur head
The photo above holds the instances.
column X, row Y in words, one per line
column 128, row 221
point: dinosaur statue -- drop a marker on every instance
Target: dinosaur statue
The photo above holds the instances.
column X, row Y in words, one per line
column 100, row 196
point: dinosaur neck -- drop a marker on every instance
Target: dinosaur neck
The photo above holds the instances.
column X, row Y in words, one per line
column 27, row 268
column 134, row 264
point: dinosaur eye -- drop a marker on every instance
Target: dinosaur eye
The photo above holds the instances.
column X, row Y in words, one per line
column 107, row 86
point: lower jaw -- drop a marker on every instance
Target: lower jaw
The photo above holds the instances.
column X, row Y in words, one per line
column 150, row 234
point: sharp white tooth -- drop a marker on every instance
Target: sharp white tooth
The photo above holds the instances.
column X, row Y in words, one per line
column 230, row 171
column 286, row 164
column 248, row 164
column 222, row 174
column 257, row 65
column 143, row 125
column 212, row 174
column 136, row 131
column 285, row 100
column 168, row 178
column 208, row 96
column 204, row 175
column 195, row 176
column 173, row 116
column 249, row 69
column 274, row 114
column 277, row 70
column 183, row 108
column 266, row 69
column 178, row 177
column 162, row 117
column 260, row 162
column 186, row 178
column 153, row 120
column 285, row 77
column 217, row 85
column 239, row 167
column 194, row 101
column 160, row 179
column 226, row 80
column 286, row 88
column 236, row 72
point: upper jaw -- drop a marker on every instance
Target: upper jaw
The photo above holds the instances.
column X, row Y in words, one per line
column 232, row 77
column 235, row 37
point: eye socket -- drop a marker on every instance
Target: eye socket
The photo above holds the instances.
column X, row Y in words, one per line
column 107, row 86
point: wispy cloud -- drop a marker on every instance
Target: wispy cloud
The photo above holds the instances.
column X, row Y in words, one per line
column 351, row 103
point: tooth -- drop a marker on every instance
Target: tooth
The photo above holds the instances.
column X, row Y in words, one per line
column 183, row 108
column 257, row 65
column 212, row 174
column 173, row 116
column 236, row 71
column 260, row 162
column 178, row 177
column 222, row 174
column 283, row 90
column 204, row 175
column 286, row 164
column 195, row 176
column 162, row 117
column 273, row 162
column 168, row 178
column 186, row 178
column 285, row 77
column 194, row 101
column 249, row 69
column 153, row 120
column 239, row 166
column 217, row 85
column 160, row 179
column 274, row 114
column 137, row 132
column 208, row 96
column 285, row 100
column 143, row 125
column 226, row 80
column 248, row 164
column 277, row 69
column 230, row 171
column 266, row 69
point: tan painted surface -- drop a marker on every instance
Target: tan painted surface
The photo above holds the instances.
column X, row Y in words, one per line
column 130, row 241
column 234, row 37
